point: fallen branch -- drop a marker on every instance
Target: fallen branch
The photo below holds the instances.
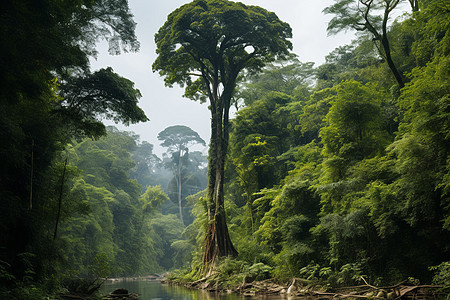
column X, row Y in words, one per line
column 334, row 295
column 369, row 285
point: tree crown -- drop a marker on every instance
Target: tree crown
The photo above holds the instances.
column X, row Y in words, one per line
column 217, row 38
column 179, row 137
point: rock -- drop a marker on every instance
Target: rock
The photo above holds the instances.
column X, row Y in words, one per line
column 120, row 292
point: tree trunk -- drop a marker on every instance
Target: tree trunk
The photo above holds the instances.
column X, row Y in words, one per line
column 414, row 5
column 179, row 186
column 31, row 173
column 390, row 62
column 217, row 242
column 383, row 39
column 61, row 188
column 387, row 48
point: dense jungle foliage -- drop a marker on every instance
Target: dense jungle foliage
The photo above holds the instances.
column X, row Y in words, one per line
column 333, row 172
column 78, row 199
column 336, row 172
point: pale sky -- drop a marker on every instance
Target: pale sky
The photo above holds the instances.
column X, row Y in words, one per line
column 165, row 106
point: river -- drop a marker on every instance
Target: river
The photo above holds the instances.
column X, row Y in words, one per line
column 154, row 290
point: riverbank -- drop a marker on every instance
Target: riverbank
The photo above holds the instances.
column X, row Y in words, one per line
column 298, row 287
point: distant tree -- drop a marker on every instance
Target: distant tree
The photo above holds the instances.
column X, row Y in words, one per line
column 146, row 164
column 214, row 41
column 178, row 139
column 289, row 76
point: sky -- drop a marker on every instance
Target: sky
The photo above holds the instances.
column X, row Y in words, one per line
column 165, row 106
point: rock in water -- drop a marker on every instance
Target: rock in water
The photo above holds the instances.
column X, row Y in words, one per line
column 120, row 292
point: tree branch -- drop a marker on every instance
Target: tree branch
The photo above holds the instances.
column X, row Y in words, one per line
column 194, row 74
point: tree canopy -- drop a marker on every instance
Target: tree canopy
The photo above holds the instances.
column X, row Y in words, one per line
column 179, row 138
column 48, row 97
column 214, row 41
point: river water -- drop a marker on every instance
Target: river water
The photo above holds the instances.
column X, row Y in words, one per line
column 154, row 290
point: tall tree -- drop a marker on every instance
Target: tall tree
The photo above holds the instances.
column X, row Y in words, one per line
column 178, row 139
column 213, row 41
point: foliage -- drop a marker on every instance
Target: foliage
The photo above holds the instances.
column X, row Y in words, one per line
column 442, row 274
column 352, row 125
column 289, row 76
column 122, row 231
column 89, row 98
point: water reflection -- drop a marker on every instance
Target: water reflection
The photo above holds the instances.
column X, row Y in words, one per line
column 154, row 290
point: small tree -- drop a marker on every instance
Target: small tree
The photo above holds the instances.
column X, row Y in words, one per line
column 178, row 139
column 204, row 45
